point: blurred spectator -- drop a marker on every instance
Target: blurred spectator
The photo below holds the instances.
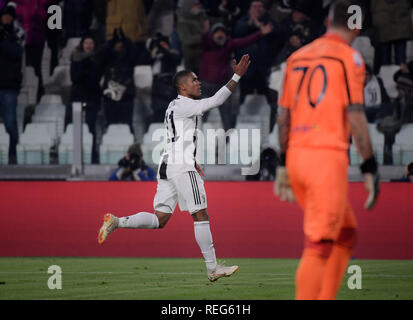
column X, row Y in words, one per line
column 217, row 50
column 393, row 27
column 404, row 81
column 230, row 11
column 408, row 175
column 165, row 61
column 376, row 99
column 32, row 14
column 98, row 27
column 161, row 17
column 128, row 15
column 262, row 52
column 118, row 58
column 279, row 10
column 77, row 18
column 11, row 54
column 298, row 30
column 85, row 75
column 54, row 39
column 269, row 161
column 191, row 17
column 132, row 167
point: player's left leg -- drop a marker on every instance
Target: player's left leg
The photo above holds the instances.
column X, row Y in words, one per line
column 203, row 237
column 339, row 258
column 192, row 198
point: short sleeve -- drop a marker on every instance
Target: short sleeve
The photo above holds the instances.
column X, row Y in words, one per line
column 356, row 73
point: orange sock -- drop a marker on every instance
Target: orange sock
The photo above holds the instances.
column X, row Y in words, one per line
column 334, row 272
column 309, row 275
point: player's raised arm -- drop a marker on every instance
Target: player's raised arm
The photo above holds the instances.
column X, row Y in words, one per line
column 360, row 131
column 223, row 94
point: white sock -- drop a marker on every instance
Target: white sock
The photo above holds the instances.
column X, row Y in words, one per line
column 141, row 220
column 203, row 237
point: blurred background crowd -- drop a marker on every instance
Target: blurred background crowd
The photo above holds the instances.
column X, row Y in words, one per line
column 103, row 43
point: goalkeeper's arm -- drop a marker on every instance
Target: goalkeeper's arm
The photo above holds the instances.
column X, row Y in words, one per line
column 358, row 124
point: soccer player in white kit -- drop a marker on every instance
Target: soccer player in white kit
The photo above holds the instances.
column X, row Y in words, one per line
column 179, row 177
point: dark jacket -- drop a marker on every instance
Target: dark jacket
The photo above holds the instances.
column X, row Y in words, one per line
column 119, row 67
column 85, row 76
column 215, row 62
column 77, row 17
column 11, row 54
column 263, row 50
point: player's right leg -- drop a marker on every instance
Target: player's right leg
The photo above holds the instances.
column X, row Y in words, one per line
column 164, row 204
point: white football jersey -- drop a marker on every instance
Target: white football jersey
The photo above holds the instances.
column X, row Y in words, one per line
column 181, row 123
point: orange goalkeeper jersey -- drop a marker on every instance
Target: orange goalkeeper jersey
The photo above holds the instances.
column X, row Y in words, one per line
column 321, row 80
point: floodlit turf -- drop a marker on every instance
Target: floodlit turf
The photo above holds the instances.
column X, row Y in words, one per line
column 181, row 279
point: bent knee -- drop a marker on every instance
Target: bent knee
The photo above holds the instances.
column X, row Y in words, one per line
column 347, row 238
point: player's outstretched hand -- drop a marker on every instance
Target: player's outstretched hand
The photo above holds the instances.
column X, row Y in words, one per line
column 282, row 187
column 242, row 65
column 372, row 186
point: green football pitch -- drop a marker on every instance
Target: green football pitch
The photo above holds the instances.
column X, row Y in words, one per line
column 185, row 279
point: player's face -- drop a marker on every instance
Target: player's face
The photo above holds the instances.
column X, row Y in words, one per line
column 192, row 86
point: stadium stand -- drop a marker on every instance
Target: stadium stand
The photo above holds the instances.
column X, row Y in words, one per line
column 363, row 45
column 143, row 83
column 35, row 143
column 65, row 149
column 386, row 74
column 4, row 145
column 377, row 141
column 51, row 110
column 403, row 146
column 71, row 44
column 115, row 143
column 152, row 142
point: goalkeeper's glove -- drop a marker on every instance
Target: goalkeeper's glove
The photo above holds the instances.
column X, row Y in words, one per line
column 372, row 180
column 282, row 187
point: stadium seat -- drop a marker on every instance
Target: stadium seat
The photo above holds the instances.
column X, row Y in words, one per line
column 65, row 149
column 409, row 50
column 386, row 73
column 60, row 77
column 115, row 143
column 143, row 76
column 30, row 84
column 377, row 141
column 51, row 110
column 276, row 77
column 403, row 146
column 363, row 45
column 242, row 142
column 256, row 109
column 273, row 140
column 152, row 145
column 35, row 143
column 4, row 145
column 214, row 118
column 208, row 138
column 67, row 51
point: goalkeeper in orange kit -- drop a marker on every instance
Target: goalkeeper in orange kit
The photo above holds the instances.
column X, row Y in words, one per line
column 321, row 104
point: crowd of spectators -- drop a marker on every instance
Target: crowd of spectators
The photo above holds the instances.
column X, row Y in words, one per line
column 201, row 35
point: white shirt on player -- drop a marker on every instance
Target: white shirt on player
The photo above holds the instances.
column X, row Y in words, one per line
column 181, row 124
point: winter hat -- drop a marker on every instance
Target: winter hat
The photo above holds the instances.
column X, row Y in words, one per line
column 218, row 26
column 10, row 9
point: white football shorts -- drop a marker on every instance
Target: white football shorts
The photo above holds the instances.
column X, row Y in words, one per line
column 187, row 189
